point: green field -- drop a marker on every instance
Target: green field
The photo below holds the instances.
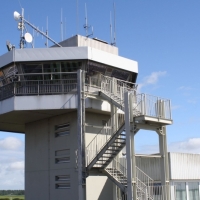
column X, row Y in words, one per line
column 12, row 197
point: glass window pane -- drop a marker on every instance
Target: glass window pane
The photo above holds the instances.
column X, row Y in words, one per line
column 70, row 66
column 32, row 68
column 51, row 67
column 180, row 191
column 193, row 190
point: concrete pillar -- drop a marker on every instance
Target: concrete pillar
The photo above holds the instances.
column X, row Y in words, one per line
column 80, row 138
column 164, row 161
column 130, row 154
column 128, row 147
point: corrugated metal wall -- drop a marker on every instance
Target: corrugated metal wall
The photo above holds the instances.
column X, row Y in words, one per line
column 184, row 166
column 151, row 166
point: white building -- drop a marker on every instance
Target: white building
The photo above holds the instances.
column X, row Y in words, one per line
column 184, row 173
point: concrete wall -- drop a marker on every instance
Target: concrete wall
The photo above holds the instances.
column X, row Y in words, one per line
column 41, row 169
column 41, row 150
column 98, row 187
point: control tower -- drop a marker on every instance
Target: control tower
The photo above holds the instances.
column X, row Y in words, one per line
column 78, row 107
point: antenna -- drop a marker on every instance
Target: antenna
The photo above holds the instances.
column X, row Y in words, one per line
column 77, row 16
column 21, row 26
column 28, row 37
column 111, row 28
column 47, row 34
column 65, row 27
column 86, row 23
column 61, row 26
column 114, row 42
column 9, row 46
column 86, row 26
column 33, row 38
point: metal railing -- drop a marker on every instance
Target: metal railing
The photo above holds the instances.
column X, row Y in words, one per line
column 146, row 188
column 21, row 86
column 160, row 192
column 153, row 106
column 118, row 171
column 109, row 85
column 115, row 88
column 100, row 140
column 148, row 181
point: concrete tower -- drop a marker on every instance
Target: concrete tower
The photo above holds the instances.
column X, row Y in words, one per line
column 74, row 103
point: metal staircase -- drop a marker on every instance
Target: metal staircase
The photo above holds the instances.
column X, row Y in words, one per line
column 117, row 172
column 107, row 144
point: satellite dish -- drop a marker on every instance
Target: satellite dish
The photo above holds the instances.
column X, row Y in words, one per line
column 28, row 37
column 16, row 16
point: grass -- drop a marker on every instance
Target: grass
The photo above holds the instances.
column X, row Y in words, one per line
column 11, row 197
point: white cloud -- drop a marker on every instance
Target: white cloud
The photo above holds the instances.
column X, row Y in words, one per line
column 175, row 107
column 191, row 145
column 10, row 143
column 152, row 79
column 11, row 163
column 16, row 166
column 185, row 88
column 192, row 101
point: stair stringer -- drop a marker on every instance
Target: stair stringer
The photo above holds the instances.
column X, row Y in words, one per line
column 106, row 147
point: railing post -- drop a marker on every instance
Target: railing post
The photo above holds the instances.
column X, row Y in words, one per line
column 14, row 88
column 38, row 88
column 170, row 112
column 145, row 112
column 158, row 108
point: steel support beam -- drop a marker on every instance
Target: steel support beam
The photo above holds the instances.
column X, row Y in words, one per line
column 131, row 173
column 164, row 161
column 80, row 136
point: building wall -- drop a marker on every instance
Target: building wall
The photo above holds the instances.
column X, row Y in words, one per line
column 98, row 187
column 184, row 166
column 42, row 149
column 151, row 166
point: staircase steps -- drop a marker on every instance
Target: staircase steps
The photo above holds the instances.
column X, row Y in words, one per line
column 112, row 148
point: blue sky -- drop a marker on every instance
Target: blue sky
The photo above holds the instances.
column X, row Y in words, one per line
column 162, row 35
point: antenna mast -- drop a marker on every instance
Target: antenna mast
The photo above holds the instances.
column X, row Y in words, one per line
column 27, row 37
column 86, row 26
column 21, row 26
column 47, row 34
column 61, row 26
column 114, row 42
column 111, row 28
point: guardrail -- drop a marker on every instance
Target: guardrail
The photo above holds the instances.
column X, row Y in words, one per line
column 100, row 140
column 20, row 86
column 153, row 106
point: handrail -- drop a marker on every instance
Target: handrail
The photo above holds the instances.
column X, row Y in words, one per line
column 116, row 165
column 100, row 140
column 153, row 106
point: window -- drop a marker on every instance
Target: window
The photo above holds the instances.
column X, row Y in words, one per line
column 62, row 156
column 180, row 191
column 62, row 130
column 62, row 182
column 193, row 188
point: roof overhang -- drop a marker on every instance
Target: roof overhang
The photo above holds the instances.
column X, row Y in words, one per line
column 68, row 53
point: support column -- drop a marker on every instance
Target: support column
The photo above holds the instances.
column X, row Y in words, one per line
column 130, row 151
column 128, row 147
column 80, row 136
column 164, row 161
